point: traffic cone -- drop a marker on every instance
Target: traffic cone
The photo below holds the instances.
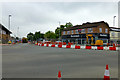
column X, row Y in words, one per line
column 106, row 74
column 59, row 75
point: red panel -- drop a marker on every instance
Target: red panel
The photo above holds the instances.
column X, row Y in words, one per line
column 112, row 48
column 53, row 45
column 88, row 47
column 77, row 47
column 60, row 46
column 68, row 46
column 100, row 48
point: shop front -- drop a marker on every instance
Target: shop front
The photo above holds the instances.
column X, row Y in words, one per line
column 81, row 38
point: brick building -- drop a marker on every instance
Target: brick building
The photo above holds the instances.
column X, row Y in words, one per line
column 98, row 30
column 4, row 34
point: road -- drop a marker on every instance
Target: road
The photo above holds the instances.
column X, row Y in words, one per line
column 31, row 61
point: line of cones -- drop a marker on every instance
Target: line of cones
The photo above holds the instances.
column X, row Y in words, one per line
column 106, row 74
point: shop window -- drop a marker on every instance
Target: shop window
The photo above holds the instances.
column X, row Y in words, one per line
column 113, row 34
column 68, row 32
column 83, row 31
column 63, row 32
column 76, row 31
column 72, row 32
column 106, row 30
column 90, row 30
column 100, row 29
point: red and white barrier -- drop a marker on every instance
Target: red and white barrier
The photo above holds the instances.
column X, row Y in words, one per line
column 79, row 47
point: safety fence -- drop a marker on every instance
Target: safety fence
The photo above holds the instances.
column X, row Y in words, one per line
column 78, row 47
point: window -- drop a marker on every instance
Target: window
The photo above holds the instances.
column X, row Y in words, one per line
column 63, row 32
column 90, row 30
column 68, row 32
column 76, row 31
column 3, row 32
column 72, row 32
column 113, row 34
column 83, row 31
column 100, row 29
column 106, row 30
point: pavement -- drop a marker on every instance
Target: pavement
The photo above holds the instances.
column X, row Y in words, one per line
column 31, row 61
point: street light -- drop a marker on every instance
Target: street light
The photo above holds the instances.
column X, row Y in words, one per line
column 114, row 20
column 59, row 31
column 9, row 21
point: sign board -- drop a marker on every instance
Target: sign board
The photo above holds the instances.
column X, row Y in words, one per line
column 75, row 36
column 103, row 35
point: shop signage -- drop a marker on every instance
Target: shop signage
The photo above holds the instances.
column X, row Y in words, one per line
column 75, row 36
column 104, row 35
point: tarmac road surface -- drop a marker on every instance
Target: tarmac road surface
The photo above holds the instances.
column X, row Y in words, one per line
column 31, row 61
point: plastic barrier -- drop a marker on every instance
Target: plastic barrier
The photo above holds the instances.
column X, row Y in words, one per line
column 64, row 43
column 42, row 44
column 77, row 47
column 39, row 44
column 88, row 47
column 60, row 43
column 68, row 46
column 112, row 48
column 60, row 46
column 53, row 45
column 47, row 45
column 100, row 48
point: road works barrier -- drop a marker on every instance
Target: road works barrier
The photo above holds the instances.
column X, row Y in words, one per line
column 79, row 47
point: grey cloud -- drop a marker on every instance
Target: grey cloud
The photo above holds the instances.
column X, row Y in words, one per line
column 31, row 17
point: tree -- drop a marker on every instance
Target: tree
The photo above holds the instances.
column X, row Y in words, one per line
column 68, row 25
column 35, row 36
column 50, row 35
column 59, row 30
column 24, row 40
column 30, row 36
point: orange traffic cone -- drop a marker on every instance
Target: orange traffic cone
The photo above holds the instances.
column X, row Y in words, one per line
column 59, row 75
column 106, row 75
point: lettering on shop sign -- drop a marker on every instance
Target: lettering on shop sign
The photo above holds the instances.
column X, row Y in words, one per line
column 103, row 35
column 74, row 35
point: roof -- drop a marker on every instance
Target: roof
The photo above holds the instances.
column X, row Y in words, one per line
column 115, row 29
column 86, row 25
column 3, row 28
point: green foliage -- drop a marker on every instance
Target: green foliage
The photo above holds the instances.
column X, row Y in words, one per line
column 30, row 36
column 59, row 30
column 50, row 35
column 35, row 36
column 68, row 25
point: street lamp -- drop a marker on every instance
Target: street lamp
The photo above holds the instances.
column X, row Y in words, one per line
column 114, row 20
column 59, row 31
column 9, row 21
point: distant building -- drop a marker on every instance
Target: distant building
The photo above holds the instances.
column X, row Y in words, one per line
column 114, row 35
column 78, row 33
column 4, row 34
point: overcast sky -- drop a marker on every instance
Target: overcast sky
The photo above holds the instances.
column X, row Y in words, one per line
column 45, row 16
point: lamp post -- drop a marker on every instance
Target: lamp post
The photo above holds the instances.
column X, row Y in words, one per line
column 59, row 31
column 114, row 20
column 9, row 21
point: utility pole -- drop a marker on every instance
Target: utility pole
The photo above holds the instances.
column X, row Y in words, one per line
column 17, row 31
column 59, row 31
column 114, row 21
column 9, row 21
